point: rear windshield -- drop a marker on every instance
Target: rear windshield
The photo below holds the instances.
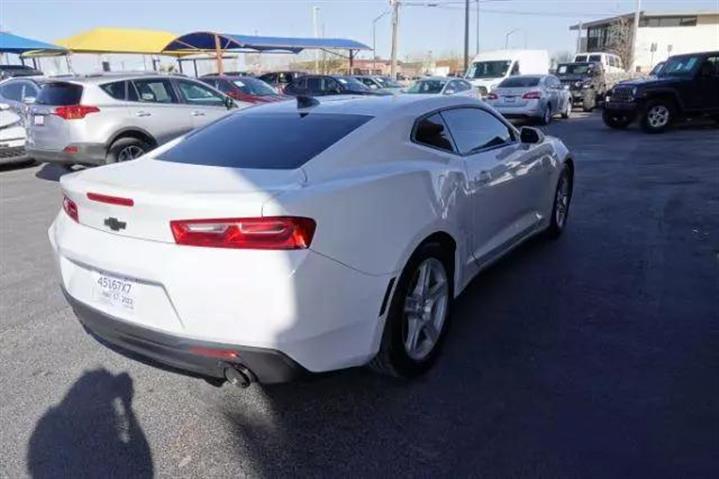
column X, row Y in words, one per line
column 59, row 94
column 519, row 82
column 266, row 141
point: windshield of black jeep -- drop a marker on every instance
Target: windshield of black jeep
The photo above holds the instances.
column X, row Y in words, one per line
column 575, row 68
column 679, row 66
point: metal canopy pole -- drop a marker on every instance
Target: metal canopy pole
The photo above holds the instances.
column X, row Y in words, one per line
column 352, row 57
column 218, row 52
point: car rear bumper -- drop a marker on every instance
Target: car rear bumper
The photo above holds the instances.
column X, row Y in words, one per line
column 183, row 355
column 316, row 311
column 13, row 155
column 84, row 153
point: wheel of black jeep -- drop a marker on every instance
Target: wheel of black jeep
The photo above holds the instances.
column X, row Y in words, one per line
column 617, row 121
column 658, row 116
column 589, row 101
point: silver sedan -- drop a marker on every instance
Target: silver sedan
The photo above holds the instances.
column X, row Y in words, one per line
column 539, row 97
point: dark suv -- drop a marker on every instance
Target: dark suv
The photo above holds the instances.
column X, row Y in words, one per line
column 686, row 86
column 320, row 85
column 586, row 82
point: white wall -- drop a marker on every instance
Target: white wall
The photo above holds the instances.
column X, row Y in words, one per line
column 700, row 38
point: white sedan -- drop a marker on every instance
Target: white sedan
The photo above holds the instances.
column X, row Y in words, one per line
column 443, row 86
column 303, row 236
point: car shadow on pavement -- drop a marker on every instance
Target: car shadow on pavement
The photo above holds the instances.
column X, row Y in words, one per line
column 448, row 423
column 93, row 432
column 52, row 172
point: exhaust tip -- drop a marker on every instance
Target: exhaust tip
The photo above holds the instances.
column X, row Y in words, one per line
column 238, row 375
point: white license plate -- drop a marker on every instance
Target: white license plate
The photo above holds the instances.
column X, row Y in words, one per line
column 120, row 293
column 509, row 99
column 38, row 120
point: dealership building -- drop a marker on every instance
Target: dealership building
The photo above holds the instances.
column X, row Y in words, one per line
column 660, row 35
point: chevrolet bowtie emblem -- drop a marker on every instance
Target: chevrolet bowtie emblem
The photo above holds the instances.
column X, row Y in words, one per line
column 114, row 224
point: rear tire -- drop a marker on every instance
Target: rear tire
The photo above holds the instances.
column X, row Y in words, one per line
column 125, row 149
column 658, row 116
column 562, row 200
column 418, row 315
column 567, row 110
column 546, row 118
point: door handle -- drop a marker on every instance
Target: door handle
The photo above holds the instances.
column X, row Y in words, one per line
column 197, row 113
column 143, row 113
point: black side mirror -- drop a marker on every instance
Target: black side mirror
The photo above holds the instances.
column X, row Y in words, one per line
column 530, row 135
column 230, row 103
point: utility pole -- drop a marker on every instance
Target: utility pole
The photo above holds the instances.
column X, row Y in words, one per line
column 315, row 11
column 476, row 51
column 395, row 25
column 579, row 38
column 466, row 35
column 374, row 40
column 635, row 34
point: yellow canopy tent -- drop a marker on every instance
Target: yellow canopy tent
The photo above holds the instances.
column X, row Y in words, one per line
column 120, row 40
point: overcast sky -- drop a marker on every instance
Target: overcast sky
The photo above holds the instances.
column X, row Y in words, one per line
column 544, row 23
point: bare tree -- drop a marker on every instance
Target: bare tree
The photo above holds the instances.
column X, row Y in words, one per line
column 620, row 40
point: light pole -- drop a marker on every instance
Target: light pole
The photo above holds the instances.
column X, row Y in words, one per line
column 510, row 33
column 466, row 35
column 374, row 39
column 635, row 35
column 315, row 11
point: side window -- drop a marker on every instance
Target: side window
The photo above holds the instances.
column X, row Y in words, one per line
column 155, row 91
column 12, row 91
column 314, row 84
column 515, row 69
column 464, row 86
column 711, row 66
column 115, row 89
column 197, row 94
column 474, row 129
column 432, row 131
column 331, row 86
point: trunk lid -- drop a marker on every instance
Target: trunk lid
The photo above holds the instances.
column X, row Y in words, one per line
column 513, row 96
column 163, row 191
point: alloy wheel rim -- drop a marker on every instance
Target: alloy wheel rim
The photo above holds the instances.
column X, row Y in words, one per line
column 562, row 201
column 130, row 153
column 425, row 309
column 658, row 116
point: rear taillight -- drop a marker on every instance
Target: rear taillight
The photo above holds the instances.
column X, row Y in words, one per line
column 532, row 95
column 281, row 232
column 70, row 208
column 492, row 96
column 111, row 200
column 74, row 112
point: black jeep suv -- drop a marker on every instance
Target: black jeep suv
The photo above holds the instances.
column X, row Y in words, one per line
column 585, row 81
column 686, row 86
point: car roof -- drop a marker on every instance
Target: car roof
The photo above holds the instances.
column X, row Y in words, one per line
column 96, row 79
column 373, row 106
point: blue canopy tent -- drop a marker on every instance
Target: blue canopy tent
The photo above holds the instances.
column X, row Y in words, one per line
column 18, row 45
column 220, row 42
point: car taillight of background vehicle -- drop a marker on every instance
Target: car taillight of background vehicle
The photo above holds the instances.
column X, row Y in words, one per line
column 492, row 96
column 532, row 95
column 278, row 233
column 74, row 112
column 70, row 208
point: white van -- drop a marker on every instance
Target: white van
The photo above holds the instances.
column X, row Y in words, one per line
column 611, row 62
column 489, row 68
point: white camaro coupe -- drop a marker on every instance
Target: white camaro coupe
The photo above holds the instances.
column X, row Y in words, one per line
column 304, row 236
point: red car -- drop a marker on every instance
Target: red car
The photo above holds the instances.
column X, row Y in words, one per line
column 243, row 88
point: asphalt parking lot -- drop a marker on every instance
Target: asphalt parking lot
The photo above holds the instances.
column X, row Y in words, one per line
column 593, row 356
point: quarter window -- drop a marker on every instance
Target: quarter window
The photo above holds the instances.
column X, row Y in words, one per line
column 432, row 131
column 115, row 89
column 474, row 129
column 155, row 91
